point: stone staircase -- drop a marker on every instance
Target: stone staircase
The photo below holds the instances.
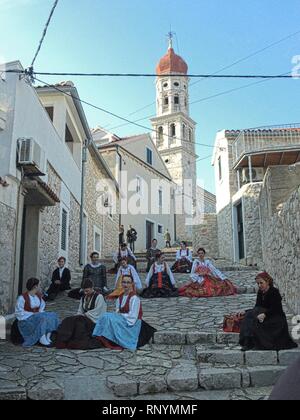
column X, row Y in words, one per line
column 189, row 358
column 202, row 362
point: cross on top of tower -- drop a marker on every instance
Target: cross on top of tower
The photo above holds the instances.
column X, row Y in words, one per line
column 170, row 38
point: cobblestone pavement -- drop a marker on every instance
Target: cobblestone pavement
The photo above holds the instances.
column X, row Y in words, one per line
column 171, row 368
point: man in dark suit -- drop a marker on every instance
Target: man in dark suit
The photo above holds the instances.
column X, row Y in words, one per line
column 61, row 279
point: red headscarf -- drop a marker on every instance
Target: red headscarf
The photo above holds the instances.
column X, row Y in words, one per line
column 266, row 276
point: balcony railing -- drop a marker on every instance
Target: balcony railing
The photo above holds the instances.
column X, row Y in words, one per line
column 266, row 139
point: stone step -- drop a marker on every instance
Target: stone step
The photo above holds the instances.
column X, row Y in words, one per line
column 232, row 378
column 250, row 359
column 187, row 377
column 204, row 338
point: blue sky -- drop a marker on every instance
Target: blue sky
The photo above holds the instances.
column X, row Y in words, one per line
column 130, row 36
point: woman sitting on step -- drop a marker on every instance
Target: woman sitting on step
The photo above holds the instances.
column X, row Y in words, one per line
column 34, row 324
column 124, row 329
column 206, row 280
column 125, row 270
column 184, row 260
column 123, row 252
column 160, row 280
column 265, row 327
column 75, row 332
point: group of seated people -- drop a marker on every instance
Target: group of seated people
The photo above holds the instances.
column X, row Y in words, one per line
column 264, row 328
column 92, row 327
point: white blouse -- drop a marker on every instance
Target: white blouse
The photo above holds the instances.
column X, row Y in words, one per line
column 134, row 309
column 196, row 278
column 184, row 254
column 123, row 254
column 94, row 314
column 159, row 268
column 126, row 272
column 35, row 302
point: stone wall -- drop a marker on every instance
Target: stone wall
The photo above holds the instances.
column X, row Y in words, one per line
column 225, row 236
column 281, row 233
column 50, row 231
column 252, row 230
column 108, row 226
column 7, row 255
column 206, row 236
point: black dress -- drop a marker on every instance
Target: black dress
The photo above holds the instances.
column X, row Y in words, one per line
column 273, row 333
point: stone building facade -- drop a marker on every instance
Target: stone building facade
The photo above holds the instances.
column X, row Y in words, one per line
column 41, row 137
column 241, row 159
column 279, row 204
column 102, row 226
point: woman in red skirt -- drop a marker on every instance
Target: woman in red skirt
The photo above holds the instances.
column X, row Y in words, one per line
column 206, row 280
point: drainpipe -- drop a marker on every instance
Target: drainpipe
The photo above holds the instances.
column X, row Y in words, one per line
column 119, row 180
column 83, row 173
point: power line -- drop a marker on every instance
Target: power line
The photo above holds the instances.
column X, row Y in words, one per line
column 226, row 92
column 44, row 32
column 253, row 54
column 235, row 63
column 116, row 115
column 206, row 76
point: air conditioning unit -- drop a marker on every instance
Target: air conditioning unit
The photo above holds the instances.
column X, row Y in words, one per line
column 30, row 156
column 257, row 175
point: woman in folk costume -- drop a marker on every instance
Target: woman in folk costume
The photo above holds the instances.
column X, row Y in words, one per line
column 206, row 280
column 265, row 327
column 160, row 280
column 184, row 260
column 124, row 252
column 151, row 254
column 125, row 270
column 34, row 324
column 124, row 329
column 76, row 331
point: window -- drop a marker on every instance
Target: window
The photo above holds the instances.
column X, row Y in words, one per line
column 176, row 84
column 176, row 100
column 160, row 133
column 220, row 168
column 50, row 112
column 184, row 131
column 160, row 197
column 173, row 130
column 64, row 230
column 166, row 101
column 149, row 156
column 165, row 85
column 160, row 229
column 97, row 240
column 190, row 135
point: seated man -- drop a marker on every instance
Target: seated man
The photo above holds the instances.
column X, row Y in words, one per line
column 125, row 270
column 76, row 332
column 61, row 279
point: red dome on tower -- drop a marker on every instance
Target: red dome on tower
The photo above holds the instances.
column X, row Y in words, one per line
column 171, row 63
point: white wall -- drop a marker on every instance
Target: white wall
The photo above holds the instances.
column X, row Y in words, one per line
column 29, row 119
